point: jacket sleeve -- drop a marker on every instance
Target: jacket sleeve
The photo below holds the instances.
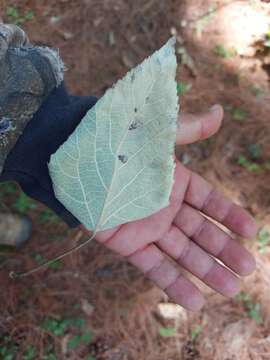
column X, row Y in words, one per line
column 27, row 163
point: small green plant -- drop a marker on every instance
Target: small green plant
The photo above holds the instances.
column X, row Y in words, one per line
column 263, row 239
column 48, row 215
column 84, row 339
column 7, row 188
column 55, row 265
column 58, row 327
column 195, row 332
column 183, row 87
column 14, row 16
column 249, row 165
column 252, row 309
column 224, row 53
column 254, row 151
column 236, row 113
column 166, row 331
column 207, row 142
column 239, row 114
column 8, row 350
column 50, row 356
column 49, row 353
column 55, row 327
column 267, row 40
column 23, row 203
column 58, row 238
column 252, row 166
column 30, row 353
column 256, row 90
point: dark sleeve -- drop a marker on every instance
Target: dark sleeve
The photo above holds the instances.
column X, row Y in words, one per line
column 49, row 128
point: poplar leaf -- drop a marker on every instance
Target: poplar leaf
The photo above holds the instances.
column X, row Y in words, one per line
column 117, row 166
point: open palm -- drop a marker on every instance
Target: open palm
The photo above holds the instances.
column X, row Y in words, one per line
column 183, row 234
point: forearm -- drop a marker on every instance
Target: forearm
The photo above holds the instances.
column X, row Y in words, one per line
column 43, row 116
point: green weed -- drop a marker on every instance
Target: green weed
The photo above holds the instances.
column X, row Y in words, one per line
column 195, row 333
column 263, row 239
column 58, row 238
column 14, row 15
column 55, row 265
column 207, row 142
column 23, row 203
column 236, row 113
column 254, row 150
column 58, row 327
column 49, row 353
column 267, row 40
column 239, row 114
column 166, row 331
column 252, row 309
column 252, row 166
column 256, row 90
column 78, row 340
column 249, row 165
column 50, row 356
column 224, row 53
column 30, row 353
column 8, row 350
column 7, row 188
column 182, row 88
column 48, row 215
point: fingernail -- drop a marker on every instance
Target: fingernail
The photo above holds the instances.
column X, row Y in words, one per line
column 214, row 108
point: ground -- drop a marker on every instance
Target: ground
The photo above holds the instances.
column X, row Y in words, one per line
column 93, row 305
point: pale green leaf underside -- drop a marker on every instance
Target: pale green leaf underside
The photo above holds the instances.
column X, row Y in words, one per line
column 117, row 166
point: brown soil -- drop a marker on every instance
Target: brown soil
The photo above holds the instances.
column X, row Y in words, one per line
column 99, row 41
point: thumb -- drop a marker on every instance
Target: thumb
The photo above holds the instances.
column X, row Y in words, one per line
column 196, row 127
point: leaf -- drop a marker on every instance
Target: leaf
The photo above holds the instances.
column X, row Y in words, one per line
column 239, row 114
column 23, row 203
column 254, row 150
column 195, row 333
column 166, row 332
column 182, row 87
column 86, row 338
column 255, row 314
column 263, row 240
column 117, row 166
column 224, row 53
column 74, row 342
column 77, row 340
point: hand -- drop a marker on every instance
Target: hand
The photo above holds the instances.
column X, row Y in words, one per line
column 183, row 233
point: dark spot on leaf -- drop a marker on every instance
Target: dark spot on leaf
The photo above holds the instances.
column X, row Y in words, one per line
column 135, row 109
column 5, row 125
column 135, row 124
column 147, row 99
column 123, row 158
